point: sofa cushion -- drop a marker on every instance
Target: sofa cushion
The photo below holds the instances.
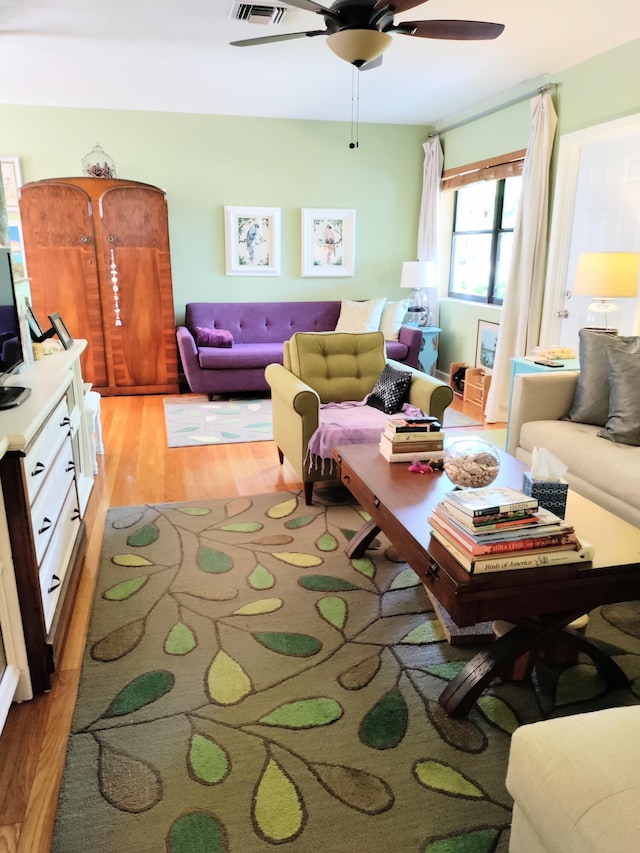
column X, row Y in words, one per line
column 240, row 356
column 623, row 424
column 360, row 316
column 390, row 391
column 206, row 337
column 393, row 314
column 591, row 401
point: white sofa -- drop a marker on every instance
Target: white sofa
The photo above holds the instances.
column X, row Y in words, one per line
column 603, row 471
column 575, row 782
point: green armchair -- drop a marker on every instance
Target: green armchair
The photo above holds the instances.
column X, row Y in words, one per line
column 334, row 367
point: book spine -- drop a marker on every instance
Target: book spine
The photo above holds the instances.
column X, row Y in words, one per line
column 413, row 446
column 508, row 546
column 500, row 510
column 493, row 523
column 409, row 437
column 390, row 456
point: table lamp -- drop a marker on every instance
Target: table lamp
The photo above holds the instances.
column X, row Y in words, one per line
column 606, row 276
column 418, row 276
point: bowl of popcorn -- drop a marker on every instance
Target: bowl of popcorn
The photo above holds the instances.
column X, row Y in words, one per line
column 471, row 463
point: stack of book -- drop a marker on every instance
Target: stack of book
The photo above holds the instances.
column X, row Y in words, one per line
column 497, row 528
column 406, row 439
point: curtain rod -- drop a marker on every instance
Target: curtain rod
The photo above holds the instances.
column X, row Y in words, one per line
column 540, row 91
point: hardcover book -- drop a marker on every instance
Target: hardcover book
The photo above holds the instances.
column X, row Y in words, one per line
column 490, row 500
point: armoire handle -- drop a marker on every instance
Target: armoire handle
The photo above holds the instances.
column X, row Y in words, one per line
column 85, row 239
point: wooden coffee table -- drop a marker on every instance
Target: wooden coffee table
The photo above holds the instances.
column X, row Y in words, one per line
column 541, row 601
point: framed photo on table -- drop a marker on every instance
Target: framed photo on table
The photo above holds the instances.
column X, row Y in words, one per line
column 252, row 240
column 328, row 242
column 486, row 345
column 61, row 330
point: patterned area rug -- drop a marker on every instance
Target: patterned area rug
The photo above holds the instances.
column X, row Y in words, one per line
column 248, row 688
column 194, row 420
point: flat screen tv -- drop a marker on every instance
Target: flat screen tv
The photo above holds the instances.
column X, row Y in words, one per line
column 11, row 354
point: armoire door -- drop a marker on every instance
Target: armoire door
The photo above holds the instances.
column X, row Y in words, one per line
column 60, row 243
column 137, row 295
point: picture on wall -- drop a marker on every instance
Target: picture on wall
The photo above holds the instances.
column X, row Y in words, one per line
column 252, row 240
column 328, row 242
column 11, row 180
column 486, row 345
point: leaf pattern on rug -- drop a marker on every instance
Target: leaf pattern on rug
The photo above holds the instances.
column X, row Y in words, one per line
column 235, row 651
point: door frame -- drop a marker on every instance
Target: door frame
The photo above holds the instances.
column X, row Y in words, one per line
column 569, row 151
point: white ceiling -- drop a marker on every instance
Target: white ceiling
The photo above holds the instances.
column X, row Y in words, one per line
column 174, row 56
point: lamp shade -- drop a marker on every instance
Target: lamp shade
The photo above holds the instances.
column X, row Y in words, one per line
column 607, row 275
column 359, row 46
column 418, row 274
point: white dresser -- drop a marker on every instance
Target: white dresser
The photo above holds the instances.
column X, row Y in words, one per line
column 46, row 475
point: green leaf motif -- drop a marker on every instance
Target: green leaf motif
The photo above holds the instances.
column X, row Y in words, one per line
column 279, row 812
column 355, row 788
column 198, row 832
column 208, row 762
column 127, row 783
column 125, row 589
column 298, row 559
column 180, row 640
column 358, row 676
column 325, row 583
column 143, row 536
column 256, row 608
column 243, row 527
column 365, row 566
column 385, row 725
column 334, row 610
column 579, row 684
column 130, row 561
column 406, row 579
column 119, row 642
column 285, row 643
column 282, row 509
column 429, row 632
column 227, row 681
column 215, row 562
column 193, row 510
column 480, row 841
column 261, row 578
column 499, row 713
column 327, row 542
column 304, row 714
column 443, row 778
column 301, row 521
column 143, row 690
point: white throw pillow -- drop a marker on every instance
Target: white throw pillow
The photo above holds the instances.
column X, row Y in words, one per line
column 360, row 316
column 393, row 314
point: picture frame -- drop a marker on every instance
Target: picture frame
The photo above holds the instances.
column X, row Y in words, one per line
column 328, row 242
column 61, row 330
column 11, row 181
column 486, row 343
column 33, row 324
column 252, row 240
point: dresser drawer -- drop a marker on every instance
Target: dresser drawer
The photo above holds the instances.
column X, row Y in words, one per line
column 38, row 460
column 47, row 505
column 56, row 560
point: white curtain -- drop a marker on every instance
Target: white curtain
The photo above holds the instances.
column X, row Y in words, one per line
column 522, row 307
column 429, row 206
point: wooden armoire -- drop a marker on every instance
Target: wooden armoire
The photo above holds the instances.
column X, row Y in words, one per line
column 97, row 252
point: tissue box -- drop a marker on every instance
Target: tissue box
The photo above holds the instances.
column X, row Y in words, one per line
column 551, row 496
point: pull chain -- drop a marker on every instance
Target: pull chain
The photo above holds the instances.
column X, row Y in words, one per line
column 355, row 104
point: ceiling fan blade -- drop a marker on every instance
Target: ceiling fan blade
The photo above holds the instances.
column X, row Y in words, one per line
column 307, row 5
column 375, row 63
column 282, row 37
column 457, row 30
column 397, row 6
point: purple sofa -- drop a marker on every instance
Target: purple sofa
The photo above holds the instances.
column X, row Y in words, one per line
column 259, row 330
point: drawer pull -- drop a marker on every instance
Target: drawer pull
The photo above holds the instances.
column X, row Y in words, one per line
column 70, row 466
column 65, row 422
column 55, row 583
column 346, row 478
column 46, row 524
column 39, row 468
column 376, row 503
column 433, row 569
column 75, row 515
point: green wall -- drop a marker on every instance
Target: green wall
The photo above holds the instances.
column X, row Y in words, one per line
column 599, row 90
column 206, row 162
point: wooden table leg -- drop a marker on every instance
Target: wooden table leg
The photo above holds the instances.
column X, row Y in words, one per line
column 363, row 538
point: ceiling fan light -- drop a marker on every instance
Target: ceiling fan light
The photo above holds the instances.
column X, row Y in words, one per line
column 359, row 46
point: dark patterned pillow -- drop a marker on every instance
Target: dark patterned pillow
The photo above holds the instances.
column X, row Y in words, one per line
column 390, row 391
column 206, row 337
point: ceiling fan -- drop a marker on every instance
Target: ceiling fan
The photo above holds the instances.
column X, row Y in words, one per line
column 358, row 31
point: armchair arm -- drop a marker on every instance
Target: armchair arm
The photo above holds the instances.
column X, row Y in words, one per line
column 412, row 337
column 189, row 358
column 426, row 392
column 539, row 397
column 296, row 413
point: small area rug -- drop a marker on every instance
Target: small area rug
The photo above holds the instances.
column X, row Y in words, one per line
column 195, row 420
column 247, row 688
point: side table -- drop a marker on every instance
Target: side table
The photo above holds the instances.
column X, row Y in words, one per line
column 527, row 365
column 428, row 357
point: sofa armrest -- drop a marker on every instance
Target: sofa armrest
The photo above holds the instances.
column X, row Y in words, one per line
column 189, row 358
column 426, row 392
column 539, row 397
column 412, row 337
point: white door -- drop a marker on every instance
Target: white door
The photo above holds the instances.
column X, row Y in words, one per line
column 597, row 209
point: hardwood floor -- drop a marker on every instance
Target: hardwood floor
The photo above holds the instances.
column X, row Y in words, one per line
column 137, row 468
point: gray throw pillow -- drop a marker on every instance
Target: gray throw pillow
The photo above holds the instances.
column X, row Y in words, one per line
column 591, row 400
column 623, row 424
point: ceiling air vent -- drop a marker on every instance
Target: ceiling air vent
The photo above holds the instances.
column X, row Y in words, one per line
column 258, row 13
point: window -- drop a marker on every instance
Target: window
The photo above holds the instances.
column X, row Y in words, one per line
column 482, row 239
